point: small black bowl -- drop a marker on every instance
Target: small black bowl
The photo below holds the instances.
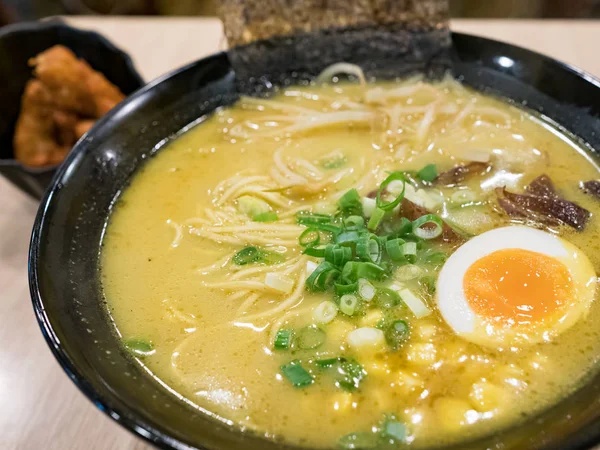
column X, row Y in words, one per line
column 22, row 41
column 64, row 266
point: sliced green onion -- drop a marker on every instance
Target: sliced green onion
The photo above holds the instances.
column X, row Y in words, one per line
column 343, row 289
column 308, row 218
column 393, row 248
column 334, row 161
column 350, row 203
column 409, row 250
column 387, row 298
column 309, row 238
column 139, row 347
column 394, row 430
column 349, row 237
column 325, row 312
column 387, row 206
column 266, row 217
column 247, row 255
column 428, row 233
column 416, row 305
column 397, row 333
column 428, row 284
column 350, row 374
column 348, row 304
column 354, row 222
column 368, row 248
column 402, row 227
column 296, row 374
column 376, row 219
column 435, row 258
column 428, row 173
column 318, row 252
column 408, row 272
column 337, row 255
column 310, row 337
column 366, row 290
column 271, row 257
column 329, row 362
column 362, row 440
column 354, row 270
column 283, row 339
column 323, row 277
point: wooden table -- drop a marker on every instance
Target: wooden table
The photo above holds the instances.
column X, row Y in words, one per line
column 39, row 407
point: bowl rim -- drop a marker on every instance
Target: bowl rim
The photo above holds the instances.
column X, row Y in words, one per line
column 131, row 421
column 57, row 23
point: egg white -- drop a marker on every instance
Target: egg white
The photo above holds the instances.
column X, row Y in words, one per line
column 457, row 312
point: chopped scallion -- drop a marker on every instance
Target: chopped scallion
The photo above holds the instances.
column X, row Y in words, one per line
column 368, row 248
column 350, row 374
column 283, row 339
column 366, row 290
column 350, row 203
column 354, row 270
column 329, row 362
column 428, row 226
column 416, row 305
column 333, row 161
column 337, row 255
column 309, row 238
column 296, row 374
column 318, row 252
column 387, row 298
column 428, row 173
column 397, row 333
column 310, row 337
column 325, row 312
column 343, row 289
column 394, row 430
column 347, row 237
column 354, row 222
column 140, row 347
column 376, row 219
column 308, row 218
column 323, row 277
column 348, row 304
column 393, row 247
column 409, row 250
column 266, row 217
column 247, row 255
column 387, row 206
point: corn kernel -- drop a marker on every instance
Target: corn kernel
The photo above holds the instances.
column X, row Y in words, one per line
column 407, row 382
column 343, row 402
column 422, row 354
column 371, row 318
column 377, row 368
column 486, row 396
column 454, row 414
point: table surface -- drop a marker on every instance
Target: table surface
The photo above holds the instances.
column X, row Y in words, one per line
column 41, row 408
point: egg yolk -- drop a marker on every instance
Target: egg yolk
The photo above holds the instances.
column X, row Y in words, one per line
column 516, row 286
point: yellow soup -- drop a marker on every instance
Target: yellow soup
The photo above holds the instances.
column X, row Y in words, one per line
column 250, row 269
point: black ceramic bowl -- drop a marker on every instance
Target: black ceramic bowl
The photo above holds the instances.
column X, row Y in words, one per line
column 22, row 41
column 64, row 281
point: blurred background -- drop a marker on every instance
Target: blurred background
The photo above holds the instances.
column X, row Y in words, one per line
column 19, row 10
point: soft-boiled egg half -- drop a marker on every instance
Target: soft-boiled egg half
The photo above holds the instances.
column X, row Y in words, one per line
column 514, row 286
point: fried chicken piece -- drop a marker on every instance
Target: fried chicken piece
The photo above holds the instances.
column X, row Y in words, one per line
column 74, row 85
column 35, row 142
column 59, row 107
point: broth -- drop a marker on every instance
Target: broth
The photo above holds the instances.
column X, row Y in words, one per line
column 207, row 327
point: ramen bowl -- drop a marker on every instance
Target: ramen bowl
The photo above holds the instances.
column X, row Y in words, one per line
column 71, row 222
